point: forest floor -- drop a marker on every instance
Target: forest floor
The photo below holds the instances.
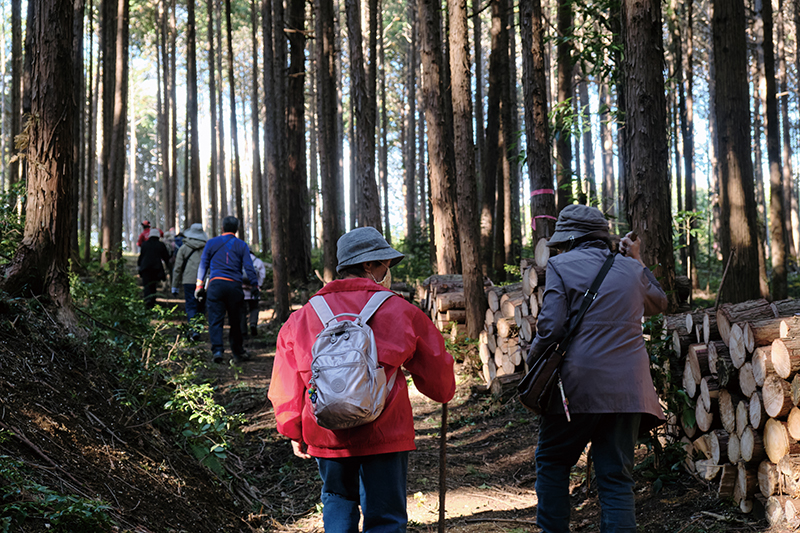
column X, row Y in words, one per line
column 63, row 419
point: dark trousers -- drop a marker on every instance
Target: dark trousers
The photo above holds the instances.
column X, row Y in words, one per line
column 613, row 437
column 249, row 314
column 377, row 482
column 149, row 285
column 225, row 297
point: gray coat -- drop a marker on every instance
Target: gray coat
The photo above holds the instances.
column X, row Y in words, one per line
column 606, row 369
column 185, row 272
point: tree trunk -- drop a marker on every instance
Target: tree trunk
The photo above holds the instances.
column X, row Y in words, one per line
column 468, row 229
column 172, row 209
column 192, row 193
column 790, row 207
column 259, row 215
column 493, row 149
column 410, row 163
column 383, row 150
column 738, row 211
column 298, row 256
column 777, row 208
column 41, row 262
column 480, row 134
column 368, row 211
column 328, row 135
column 648, row 183
column 512, row 230
column 79, row 94
column 687, row 134
column 107, row 41
column 222, row 162
column 91, row 147
column 440, row 154
column 537, row 127
column 563, row 133
column 213, row 173
column 16, row 86
column 274, row 126
column 236, row 170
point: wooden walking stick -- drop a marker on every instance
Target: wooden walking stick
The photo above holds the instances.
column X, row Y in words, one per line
column 442, row 467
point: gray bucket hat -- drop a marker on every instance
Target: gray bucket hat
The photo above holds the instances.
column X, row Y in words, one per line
column 196, row 232
column 364, row 244
column 579, row 222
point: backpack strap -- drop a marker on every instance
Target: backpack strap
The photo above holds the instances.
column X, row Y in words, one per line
column 322, row 309
column 373, row 304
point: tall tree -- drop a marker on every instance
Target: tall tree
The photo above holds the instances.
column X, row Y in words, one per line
column 172, row 207
column 410, row 163
column 259, row 215
column 213, row 171
column 648, row 182
column 468, row 229
column 107, row 45
column 274, row 126
column 480, row 134
column 493, row 147
column 737, row 198
column 789, row 189
column 383, row 150
column 777, row 220
column 79, row 94
column 537, row 131
column 16, row 84
column 192, row 192
column 41, row 262
column 91, row 146
column 328, row 135
column 236, row 171
column 439, row 144
column 563, row 110
column 297, row 225
column 368, row 204
column 221, row 157
column 687, row 134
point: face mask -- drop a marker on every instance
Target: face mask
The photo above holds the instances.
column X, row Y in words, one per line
column 386, row 282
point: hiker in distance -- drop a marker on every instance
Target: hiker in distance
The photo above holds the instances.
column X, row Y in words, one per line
column 184, row 273
column 363, row 464
column 605, row 374
column 222, row 262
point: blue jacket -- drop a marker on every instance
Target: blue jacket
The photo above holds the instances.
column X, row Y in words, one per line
column 223, row 258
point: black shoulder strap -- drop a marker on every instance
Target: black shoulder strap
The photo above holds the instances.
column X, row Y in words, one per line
column 588, row 298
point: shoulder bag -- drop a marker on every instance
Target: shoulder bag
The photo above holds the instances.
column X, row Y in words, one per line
column 536, row 388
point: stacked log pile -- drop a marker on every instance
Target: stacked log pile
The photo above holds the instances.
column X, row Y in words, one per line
column 510, row 323
column 442, row 297
column 741, row 366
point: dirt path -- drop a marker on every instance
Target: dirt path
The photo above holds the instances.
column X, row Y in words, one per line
column 490, row 468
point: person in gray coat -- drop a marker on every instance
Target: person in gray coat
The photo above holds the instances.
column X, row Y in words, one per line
column 184, row 273
column 605, row 374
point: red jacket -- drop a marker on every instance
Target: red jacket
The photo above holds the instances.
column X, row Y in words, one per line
column 404, row 335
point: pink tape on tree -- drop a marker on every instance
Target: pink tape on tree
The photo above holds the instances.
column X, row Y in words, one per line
column 542, row 191
column 533, row 221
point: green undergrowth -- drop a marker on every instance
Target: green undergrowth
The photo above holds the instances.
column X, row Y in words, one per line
column 157, row 369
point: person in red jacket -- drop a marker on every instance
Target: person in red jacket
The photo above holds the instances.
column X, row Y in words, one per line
column 364, row 465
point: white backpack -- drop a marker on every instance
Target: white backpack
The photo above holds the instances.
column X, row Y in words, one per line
column 348, row 387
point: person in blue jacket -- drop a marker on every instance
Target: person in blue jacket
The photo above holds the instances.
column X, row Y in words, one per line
column 222, row 262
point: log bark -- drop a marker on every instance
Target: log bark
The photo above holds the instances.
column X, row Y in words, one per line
column 751, row 446
column 747, row 383
column 710, row 329
column 777, row 442
column 718, row 354
column 763, row 332
column 757, row 414
column 762, row 364
column 727, row 481
column 730, row 313
column 718, row 445
column 796, row 389
column 681, row 340
column 787, row 308
column 457, row 315
column 450, row 300
column 697, row 355
column 767, row 478
column 709, row 390
column 786, row 357
column 776, row 396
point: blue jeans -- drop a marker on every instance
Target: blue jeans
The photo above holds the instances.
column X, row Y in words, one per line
column 613, row 437
column 378, row 482
column 225, row 297
column 191, row 301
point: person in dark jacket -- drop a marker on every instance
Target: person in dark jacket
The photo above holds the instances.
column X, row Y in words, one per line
column 151, row 262
column 222, row 260
column 605, row 374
